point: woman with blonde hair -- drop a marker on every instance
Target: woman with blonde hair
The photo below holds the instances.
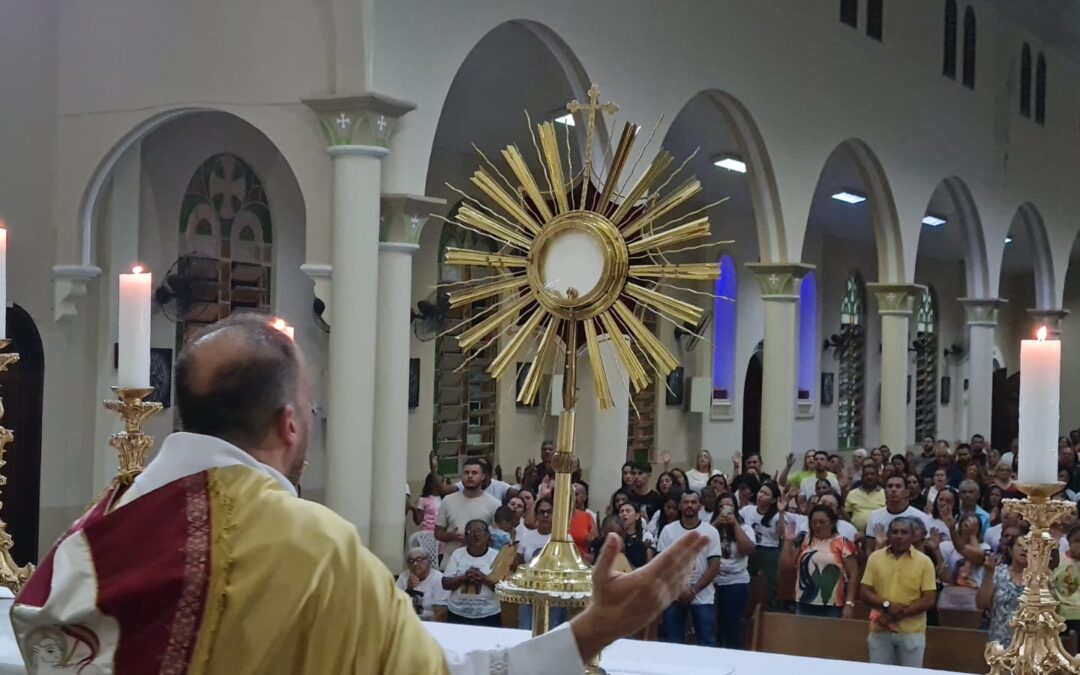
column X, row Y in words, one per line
column 703, row 470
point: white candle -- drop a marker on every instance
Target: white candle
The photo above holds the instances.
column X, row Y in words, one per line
column 3, row 282
column 134, row 330
column 1040, row 389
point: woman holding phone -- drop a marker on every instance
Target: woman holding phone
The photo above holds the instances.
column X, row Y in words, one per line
column 733, row 581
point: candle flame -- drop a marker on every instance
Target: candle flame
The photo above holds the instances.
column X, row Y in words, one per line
column 138, row 269
column 279, row 324
column 1041, row 333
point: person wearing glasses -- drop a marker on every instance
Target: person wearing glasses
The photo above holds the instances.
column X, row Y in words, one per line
column 424, row 586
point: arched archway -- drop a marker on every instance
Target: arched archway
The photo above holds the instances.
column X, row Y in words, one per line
column 751, row 417
column 156, row 183
column 1027, row 282
column 90, row 203
column 485, row 109
column 951, row 258
column 852, row 233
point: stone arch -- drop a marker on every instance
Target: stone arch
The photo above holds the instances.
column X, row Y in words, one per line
column 555, row 48
column 882, row 210
column 854, row 160
column 1029, row 217
column 760, row 175
column 965, row 215
column 90, row 200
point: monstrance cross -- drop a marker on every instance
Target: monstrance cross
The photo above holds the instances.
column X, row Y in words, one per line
column 592, row 107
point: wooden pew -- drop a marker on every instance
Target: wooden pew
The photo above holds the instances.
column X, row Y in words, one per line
column 955, row 649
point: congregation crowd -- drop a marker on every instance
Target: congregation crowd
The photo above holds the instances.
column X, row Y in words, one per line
column 907, row 536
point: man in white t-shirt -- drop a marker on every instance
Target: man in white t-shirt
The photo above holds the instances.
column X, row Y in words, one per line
column 697, row 599
column 457, row 509
column 896, row 505
column 808, row 487
column 424, row 586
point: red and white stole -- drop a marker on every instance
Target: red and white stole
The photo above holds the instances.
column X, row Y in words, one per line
column 122, row 591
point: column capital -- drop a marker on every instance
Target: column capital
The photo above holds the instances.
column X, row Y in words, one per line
column 1051, row 318
column 897, row 299
column 69, row 285
column 402, row 217
column 360, row 120
column 322, row 275
column 779, row 281
column 982, row 311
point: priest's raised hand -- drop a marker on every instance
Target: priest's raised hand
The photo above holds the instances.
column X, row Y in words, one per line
column 623, row 604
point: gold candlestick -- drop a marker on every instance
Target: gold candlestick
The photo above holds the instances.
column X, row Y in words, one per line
column 131, row 444
column 12, row 576
column 1036, row 647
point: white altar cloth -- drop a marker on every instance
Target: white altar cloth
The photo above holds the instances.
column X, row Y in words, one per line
column 625, row 657
column 634, row 657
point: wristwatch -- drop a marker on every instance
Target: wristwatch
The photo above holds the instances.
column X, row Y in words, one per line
column 885, row 605
column 850, row 603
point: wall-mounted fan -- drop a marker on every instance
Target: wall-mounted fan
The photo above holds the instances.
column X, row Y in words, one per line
column 431, row 316
column 174, row 295
column 688, row 335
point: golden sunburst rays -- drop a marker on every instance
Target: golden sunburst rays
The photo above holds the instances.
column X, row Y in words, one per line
column 579, row 264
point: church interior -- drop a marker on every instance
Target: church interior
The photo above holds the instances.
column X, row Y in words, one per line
column 891, row 189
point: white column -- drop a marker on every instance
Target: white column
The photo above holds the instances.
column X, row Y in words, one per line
column 610, row 429
column 403, row 217
column 982, row 317
column 358, row 130
column 780, row 296
column 896, row 304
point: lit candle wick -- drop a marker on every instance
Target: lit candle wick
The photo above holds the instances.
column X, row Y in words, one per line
column 1041, row 334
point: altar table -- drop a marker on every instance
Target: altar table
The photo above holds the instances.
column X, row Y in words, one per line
column 635, row 657
column 625, row 657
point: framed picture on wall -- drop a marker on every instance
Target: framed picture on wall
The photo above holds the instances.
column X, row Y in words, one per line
column 676, row 387
column 161, row 376
column 414, row 383
column 946, row 389
column 828, row 380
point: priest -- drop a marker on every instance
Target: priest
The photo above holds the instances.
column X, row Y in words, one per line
column 209, row 563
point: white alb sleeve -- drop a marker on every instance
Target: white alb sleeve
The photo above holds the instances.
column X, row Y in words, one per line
column 552, row 652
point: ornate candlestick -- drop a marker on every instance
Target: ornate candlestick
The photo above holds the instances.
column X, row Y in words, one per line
column 12, row 576
column 131, row 444
column 1036, row 647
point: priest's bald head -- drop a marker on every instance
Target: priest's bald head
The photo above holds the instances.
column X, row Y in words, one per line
column 243, row 381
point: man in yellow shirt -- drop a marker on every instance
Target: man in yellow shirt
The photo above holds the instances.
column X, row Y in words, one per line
column 898, row 584
column 865, row 499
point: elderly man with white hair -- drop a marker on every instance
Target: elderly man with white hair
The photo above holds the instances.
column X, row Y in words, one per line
column 424, row 585
column 857, row 459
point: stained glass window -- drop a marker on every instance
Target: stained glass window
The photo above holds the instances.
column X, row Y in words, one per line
column 970, row 36
column 851, row 357
column 226, row 241
column 948, row 67
column 1025, row 80
column 808, row 338
column 926, row 348
column 724, row 332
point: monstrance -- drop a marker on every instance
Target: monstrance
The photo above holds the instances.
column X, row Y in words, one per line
column 578, row 262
